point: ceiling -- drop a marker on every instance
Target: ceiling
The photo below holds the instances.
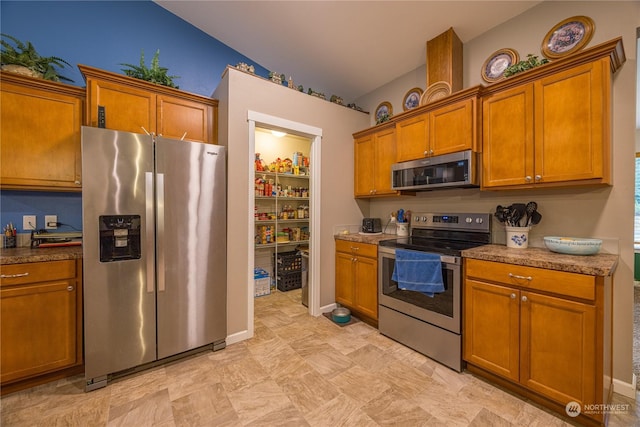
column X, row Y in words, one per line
column 346, row 48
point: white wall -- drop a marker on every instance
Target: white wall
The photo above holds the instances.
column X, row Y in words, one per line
column 601, row 212
column 239, row 93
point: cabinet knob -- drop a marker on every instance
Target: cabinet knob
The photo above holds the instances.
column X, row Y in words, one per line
column 538, row 178
column 431, row 152
column 513, row 296
column 76, row 182
column 370, row 191
column 527, row 178
column 524, row 298
column 426, row 153
column 70, row 288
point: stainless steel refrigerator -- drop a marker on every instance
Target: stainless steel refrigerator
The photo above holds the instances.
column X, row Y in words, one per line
column 154, row 250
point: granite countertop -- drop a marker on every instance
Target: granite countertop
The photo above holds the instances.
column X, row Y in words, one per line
column 365, row 238
column 23, row 255
column 593, row 265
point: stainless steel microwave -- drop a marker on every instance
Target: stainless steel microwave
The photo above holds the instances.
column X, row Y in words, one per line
column 448, row 170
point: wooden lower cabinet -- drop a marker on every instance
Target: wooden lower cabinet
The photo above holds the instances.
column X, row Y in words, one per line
column 547, row 333
column 41, row 322
column 357, row 279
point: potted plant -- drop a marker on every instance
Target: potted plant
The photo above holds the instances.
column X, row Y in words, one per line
column 154, row 74
column 24, row 59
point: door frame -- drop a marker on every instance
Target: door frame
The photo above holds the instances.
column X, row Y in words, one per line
column 262, row 120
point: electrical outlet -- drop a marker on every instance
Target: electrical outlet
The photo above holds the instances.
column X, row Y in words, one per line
column 28, row 222
column 51, row 222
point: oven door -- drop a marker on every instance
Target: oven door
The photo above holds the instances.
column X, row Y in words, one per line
column 442, row 310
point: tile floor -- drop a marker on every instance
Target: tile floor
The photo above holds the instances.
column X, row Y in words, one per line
column 297, row 371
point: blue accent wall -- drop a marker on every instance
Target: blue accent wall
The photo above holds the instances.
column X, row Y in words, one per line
column 104, row 34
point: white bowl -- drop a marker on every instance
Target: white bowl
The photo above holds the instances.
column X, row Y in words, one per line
column 573, row 245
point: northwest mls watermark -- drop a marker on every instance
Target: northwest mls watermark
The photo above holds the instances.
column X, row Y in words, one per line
column 573, row 409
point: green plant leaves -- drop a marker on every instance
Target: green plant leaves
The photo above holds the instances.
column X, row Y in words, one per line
column 27, row 56
column 532, row 61
column 155, row 74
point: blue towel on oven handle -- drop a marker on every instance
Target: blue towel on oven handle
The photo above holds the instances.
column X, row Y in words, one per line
column 418, row 271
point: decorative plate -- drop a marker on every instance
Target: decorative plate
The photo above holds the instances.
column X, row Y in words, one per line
column 383, row 112
column 493, row 68
column 435, row 91
column 412, row 99
column 568, row 36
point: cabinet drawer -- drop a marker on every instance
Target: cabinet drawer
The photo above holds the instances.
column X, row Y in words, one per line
column 355, row 248
column 533, row 278
column 18, row 274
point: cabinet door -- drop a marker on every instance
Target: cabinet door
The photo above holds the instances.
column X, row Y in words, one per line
column 40, row 137
column 452, row 128
column 507, row 127
column 345, row 285
column 571, row 124
column 38, row 328
column 558, row 348
column 178, row 118
column 412, row 138
column 126, row 108
column 492, row 328
column 385, row 154
column 364, row 166
column 366, row 289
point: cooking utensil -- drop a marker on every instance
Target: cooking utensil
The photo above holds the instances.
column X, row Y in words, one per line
column 535, row 217
column 531, row 208
column 520, row 212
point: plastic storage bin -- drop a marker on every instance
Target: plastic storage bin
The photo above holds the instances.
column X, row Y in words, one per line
column 262, row 282
column 289, row 281
column 286, row 262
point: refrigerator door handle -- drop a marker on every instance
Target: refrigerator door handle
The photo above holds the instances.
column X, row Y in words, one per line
column 148, row 178
column 160, row 231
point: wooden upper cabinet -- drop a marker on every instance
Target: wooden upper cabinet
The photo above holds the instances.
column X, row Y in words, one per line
column 445, row 126
column 508, row 137
column 182, row 118
column 126, row 108
column 138, row 106
column 552, row 125
column 40, row 134
column 364, row 160
column 571, row 116
column 374, row 154
column 385, row 154
column 452, row 128
column 412, row 138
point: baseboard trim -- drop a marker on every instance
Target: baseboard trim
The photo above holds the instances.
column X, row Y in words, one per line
column 238, row 336
column 328, row 308
column 625, row 389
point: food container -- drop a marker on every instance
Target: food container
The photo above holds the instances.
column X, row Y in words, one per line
column 341, row 315
column 573, row 245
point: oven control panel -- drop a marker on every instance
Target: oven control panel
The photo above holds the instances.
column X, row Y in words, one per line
column 457, row 221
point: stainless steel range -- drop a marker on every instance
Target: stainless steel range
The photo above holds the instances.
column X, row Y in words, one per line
column 431, row 325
